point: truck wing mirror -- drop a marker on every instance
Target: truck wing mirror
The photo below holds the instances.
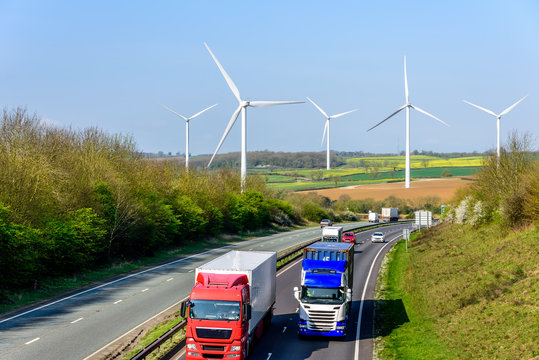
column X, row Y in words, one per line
column 296, row 293
column 348, row 295
column 248, row 309
column 183, row 309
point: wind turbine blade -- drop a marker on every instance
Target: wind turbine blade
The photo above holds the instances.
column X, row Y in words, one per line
column 426, row 113
column 175, row 113
column 257, row 103
column 512, row 106
column 227, row 130
column 319, row 108
column 481, row 108
column 406, row 82
column 200, row 112
column 325, row 131
column 341, row 114
column 229, row 81
column 387, row 118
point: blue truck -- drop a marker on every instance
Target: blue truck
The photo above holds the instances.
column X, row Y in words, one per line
column 325, row 296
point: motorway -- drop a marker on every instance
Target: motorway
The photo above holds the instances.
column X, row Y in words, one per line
column 282, row 341
column 81, row 325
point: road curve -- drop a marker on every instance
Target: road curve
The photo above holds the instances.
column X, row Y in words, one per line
column 282, row 341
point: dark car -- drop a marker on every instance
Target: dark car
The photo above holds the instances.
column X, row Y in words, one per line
column 326, row 222
column 349, row 237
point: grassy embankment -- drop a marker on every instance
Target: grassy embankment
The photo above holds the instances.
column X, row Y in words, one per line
column 461, row 293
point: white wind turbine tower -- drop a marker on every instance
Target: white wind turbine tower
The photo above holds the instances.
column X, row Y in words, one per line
column 498, row 117
column 242, row 106
column 187, row 119
column 326, row 128
column 407, row 106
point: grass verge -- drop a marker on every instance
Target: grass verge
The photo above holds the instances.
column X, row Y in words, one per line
column 460, row 292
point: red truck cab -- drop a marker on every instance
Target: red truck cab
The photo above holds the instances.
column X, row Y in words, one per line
column 218, row 317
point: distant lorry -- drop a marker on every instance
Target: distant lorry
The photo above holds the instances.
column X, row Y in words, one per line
column 332, row 233
column 231, row 304
column 390, row 214
column 373, row 217
column 325, row 296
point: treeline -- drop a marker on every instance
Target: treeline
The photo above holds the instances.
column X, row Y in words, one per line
column 71, row 200
column 355, row 154
column 506, row 190
column 263, row 159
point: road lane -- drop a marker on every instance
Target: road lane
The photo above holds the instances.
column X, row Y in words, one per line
column 142, row 296
column 282, row 340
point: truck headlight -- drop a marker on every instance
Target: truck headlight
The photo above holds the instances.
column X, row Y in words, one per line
column 233, row 355
column 191, row 347
column 193, row 353
column 235, row 348
column 340, row 327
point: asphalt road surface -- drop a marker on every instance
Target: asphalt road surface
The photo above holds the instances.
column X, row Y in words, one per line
column 282, row 341
column 80, row 325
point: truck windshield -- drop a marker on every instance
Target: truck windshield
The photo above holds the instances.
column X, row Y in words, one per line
column 214, row 310
column 322, row 295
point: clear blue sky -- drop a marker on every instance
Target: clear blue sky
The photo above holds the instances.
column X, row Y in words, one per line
column 111, row 64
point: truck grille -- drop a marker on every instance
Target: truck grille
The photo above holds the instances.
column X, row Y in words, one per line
column 213, row 348
column 321, row 320
column 213, row 356
column 213, row 333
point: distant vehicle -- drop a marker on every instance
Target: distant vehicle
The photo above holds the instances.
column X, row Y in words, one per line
column 326, row 222
column 349, row 237
column 332, row 234
column 378, row 237
column 390, row 214
column 373, row 217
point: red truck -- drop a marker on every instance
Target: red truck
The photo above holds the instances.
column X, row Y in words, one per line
column 230, row 305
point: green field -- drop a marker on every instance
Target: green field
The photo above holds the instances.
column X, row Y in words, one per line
column 349, row 178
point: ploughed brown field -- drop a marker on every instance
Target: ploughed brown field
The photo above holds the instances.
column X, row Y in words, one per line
column 443, row 188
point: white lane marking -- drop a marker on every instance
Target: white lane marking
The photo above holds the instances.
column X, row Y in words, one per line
column 31, row 341
column 358, row 330
column 250, row 249
column 284, row 329
column 109, row 283
column 191, row 270
column 297, row 309
column 288, row 267
column 117, row 302
column 75, row 321
column 269, row 355
column 144, row 290
column 170, row 279
column 127, row 332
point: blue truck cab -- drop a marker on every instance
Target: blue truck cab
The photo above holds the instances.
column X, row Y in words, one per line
column 326, row 289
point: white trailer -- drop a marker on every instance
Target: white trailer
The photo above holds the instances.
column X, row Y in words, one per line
column 373, row 217
column 260, row 268
column 390, row 214
column 332, row 233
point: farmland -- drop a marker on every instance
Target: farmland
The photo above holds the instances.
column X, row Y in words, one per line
column 370, row 170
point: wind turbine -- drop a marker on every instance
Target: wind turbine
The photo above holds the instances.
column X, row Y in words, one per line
column 187, row 119
column 407, row 106
column 242, row 106
column 326, row 128
column 498, row 117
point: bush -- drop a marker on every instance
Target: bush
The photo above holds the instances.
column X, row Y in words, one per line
column 22, row 252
